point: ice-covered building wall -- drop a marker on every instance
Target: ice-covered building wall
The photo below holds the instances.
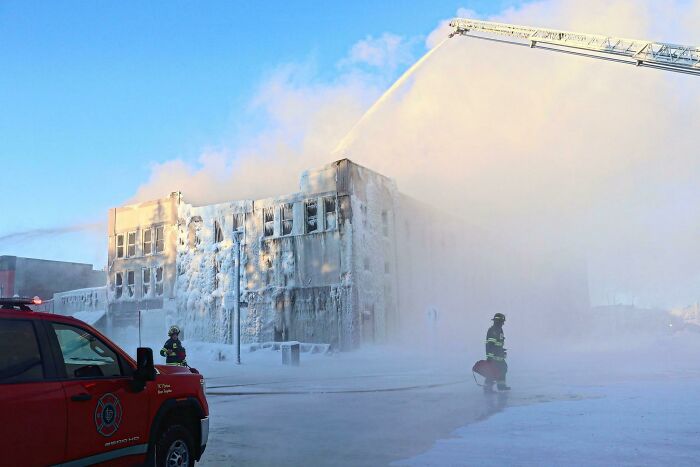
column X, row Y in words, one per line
column 346, row 260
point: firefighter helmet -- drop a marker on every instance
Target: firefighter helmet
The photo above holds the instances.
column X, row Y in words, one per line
column 173, row 330
column 499, row 317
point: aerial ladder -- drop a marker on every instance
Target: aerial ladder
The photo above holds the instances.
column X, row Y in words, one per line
column 659, row 55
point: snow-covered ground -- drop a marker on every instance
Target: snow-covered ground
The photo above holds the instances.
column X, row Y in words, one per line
column 639, row 423
column 611, row 401
column 639, row 409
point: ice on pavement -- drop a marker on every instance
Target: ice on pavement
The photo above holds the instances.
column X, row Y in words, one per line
column 641, row 408
column 614, row 400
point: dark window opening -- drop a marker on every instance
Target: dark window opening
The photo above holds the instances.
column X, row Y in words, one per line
column 193, row 232
column 147, row 241
column 311, row 214
column 329, row 207
column 146, row 279
column 218, row 232
column 120, row 246
column 268, row 222
column 217, row 270
column 160, row 239
column 287, row 218
column 118, row 284
column 238, row 221
column 131, row 244
column 130, row 280
column 159, row 281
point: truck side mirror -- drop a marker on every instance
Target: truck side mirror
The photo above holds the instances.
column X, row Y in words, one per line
column 145, row 369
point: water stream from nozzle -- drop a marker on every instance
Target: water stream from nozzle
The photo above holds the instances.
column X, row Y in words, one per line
column 350, row 136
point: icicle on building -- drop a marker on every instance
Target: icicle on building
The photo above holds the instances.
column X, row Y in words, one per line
column 347, row 260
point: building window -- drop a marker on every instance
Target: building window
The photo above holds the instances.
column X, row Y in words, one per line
column 218, row 232
column 193, row 232
column 387, row 267
column 118, row 284
column 159, row 281
column 146, row 279
column 160, row 239
column 385, row 223
column 238, row 220
column 365, row 263
column 287, row 218
column 217, row 270
column 130, row 281
column 311, row 214
column 329, row 209
column 120, row 246
column 268, row 222
column 147, row 242
column 131, row 244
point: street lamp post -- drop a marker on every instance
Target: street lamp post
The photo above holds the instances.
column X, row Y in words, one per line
column 237, row 295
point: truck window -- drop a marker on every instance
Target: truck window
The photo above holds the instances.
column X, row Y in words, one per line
column 84, row 355
column 20, row 360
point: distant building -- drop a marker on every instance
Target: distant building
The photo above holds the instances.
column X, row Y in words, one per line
column 347, row 260
column 30, row 277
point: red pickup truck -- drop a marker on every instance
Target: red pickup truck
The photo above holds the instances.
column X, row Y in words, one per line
column 70, row 397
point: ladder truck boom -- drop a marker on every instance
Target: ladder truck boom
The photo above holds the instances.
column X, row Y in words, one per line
column 670, row 57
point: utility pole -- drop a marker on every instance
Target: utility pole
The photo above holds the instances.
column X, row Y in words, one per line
column 237, row 295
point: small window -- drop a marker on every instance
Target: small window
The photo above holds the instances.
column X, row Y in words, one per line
column 160, row 239
column 238, row 221
column 120, row 246
column 268, row 222
column 329, row 209
column 146, row 278
column 130, row 280
column 118, row 284
column 20, row 360
column 159, row 281
column 147, row 242
column 365, row 263
column 385, row 223
column 311, row 214
column 387, row 267
column 218, row 232
column 287, row 218
column 194, row 232
column 217, row 270
column 131, row 244
column 84, row 355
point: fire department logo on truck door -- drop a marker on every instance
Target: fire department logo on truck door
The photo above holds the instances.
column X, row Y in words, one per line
column 108, row 414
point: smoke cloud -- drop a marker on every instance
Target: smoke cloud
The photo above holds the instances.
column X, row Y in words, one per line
column 34, row 234
column 551, row 150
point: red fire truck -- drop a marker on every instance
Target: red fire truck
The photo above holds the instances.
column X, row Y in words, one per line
column 69, row 396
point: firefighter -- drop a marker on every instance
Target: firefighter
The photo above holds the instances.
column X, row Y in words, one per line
column 496, row 353
column 172, row 350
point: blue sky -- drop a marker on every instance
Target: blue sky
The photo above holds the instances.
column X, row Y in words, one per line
column 93, row 93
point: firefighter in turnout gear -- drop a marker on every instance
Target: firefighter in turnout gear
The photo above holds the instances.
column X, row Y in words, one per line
column 496, row 353
column 172, row 350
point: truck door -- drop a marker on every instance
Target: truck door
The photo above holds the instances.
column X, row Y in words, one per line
column 33, row 408
column 106, row 418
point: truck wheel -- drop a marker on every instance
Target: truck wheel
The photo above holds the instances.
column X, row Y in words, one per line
column 175, row 448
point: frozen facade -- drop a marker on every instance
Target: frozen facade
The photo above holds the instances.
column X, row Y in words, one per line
column 345, row 261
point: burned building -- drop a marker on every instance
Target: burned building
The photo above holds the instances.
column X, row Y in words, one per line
column 347, row 260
